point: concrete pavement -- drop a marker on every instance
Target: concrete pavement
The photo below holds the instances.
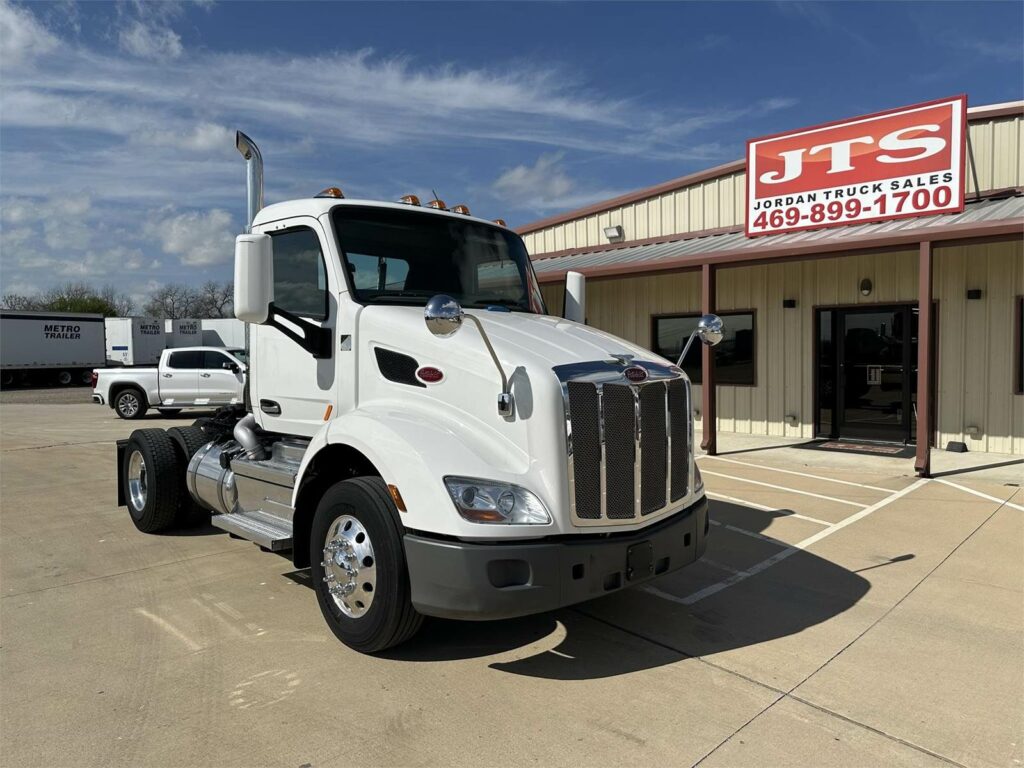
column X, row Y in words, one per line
column 873, row 620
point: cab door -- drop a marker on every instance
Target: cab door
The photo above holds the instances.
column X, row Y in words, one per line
column 178, row 380
column 220, row 379
column 290, row 389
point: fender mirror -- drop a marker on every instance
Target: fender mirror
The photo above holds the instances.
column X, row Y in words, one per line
column 709, row 330
column 254, row 277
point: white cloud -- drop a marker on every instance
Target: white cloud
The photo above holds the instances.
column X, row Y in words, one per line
column 22, row 37
column 197, row 238
column 150, row 41
column 544, row 186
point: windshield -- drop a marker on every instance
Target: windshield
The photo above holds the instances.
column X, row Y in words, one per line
column 406, row 257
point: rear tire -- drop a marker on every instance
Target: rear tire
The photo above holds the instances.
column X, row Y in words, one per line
column 64, row 378
column 130, row 404
column 188, row 441
column 359, row 518
column 152, row 476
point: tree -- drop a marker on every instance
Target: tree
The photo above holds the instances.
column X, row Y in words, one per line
column 19, row 301
column 75, row 297
column 172, row 302
column 215, row 299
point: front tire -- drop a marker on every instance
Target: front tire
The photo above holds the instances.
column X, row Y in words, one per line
column 130, row 404
column 358, row 566
column 152, row 475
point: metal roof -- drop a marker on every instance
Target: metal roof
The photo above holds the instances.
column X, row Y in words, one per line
column 649, row 255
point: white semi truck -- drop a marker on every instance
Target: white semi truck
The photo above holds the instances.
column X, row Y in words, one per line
column 420, row 433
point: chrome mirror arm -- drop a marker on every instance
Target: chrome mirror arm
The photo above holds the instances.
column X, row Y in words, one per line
column 686, row 348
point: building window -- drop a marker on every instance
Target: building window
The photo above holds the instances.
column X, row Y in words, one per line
column 735, row 362
column 300, row 280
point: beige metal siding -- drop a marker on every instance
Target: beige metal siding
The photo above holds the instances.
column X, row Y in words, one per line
column 975, row 346
column 995, row 161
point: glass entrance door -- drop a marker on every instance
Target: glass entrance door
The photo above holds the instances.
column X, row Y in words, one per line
column 867, row 373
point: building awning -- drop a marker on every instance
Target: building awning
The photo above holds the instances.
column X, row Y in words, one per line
column 980, row 218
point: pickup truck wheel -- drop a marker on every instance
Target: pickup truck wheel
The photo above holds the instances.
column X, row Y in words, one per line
column 130, row 404
column 358, row 566
column 188, row 441
column 152, row 475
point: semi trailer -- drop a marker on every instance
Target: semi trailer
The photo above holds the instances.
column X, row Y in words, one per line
column 51, row 347
column 420, row 433
column 133, row 341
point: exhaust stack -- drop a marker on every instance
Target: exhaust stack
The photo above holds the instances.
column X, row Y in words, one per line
column 253, row 177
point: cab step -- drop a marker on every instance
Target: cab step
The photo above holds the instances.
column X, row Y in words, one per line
column 268, row 531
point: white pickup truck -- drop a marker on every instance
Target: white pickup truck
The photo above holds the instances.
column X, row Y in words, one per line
column 186, row 377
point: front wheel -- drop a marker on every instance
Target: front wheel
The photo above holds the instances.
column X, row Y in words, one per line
column 358, row 566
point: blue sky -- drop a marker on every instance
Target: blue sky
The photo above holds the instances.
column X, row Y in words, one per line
column 116, row 119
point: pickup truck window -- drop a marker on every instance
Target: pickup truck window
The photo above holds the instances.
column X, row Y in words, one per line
column 186, row 359
column 300, row 279
column 215, row 360
column 406, row 257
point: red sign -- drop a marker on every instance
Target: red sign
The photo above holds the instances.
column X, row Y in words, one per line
column 889, row 165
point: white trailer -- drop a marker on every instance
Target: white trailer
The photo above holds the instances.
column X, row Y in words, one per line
column 183, row 333
column 223, row 332
column 134, row 341
column 60, row 346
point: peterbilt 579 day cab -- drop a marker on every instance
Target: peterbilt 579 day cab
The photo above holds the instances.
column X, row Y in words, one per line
column 189, row 377
column 420, row 433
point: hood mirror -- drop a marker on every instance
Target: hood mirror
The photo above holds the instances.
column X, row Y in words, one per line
column 443, row 315
column 709, row 330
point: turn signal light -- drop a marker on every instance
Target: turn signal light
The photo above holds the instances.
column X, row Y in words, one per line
column 438, row 204
column 396, row 497
column 409, row 200
column 500, row 222
column 463, row 209
column 332, row 192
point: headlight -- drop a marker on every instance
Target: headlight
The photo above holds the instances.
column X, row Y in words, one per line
column 487, row 501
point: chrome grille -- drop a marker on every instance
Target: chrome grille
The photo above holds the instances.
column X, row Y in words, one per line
column 628, row 444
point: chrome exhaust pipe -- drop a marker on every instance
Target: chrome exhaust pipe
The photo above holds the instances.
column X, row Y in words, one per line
column 253, row 176
column 245, row 435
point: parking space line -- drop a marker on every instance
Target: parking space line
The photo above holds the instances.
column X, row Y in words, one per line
column 996, row 499
column 800, row 474
column 745, row 532
column 766, row 508
column 780, row 556
column 784, row 488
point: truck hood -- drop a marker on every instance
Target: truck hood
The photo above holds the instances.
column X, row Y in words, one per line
column 519, row 338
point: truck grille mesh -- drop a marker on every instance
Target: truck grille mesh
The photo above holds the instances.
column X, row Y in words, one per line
column 629, row 447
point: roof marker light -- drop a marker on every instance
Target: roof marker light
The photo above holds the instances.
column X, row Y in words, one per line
column 332, row 192
column 438, row 204
column 500, row 222
column 463, row 209
column 409, row 200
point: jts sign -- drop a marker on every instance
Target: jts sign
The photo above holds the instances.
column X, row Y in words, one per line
column 890, row 165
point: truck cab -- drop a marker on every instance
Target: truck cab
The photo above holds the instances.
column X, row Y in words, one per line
column 421, row 433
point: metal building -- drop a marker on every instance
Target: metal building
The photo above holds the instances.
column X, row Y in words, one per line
column 902, row 331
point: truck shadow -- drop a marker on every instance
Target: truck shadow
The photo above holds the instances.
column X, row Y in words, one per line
column 636, row 629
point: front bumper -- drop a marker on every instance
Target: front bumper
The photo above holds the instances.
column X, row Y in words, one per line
column 459, row 580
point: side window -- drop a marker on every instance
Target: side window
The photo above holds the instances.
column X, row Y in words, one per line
column 300, row 278
column 186, row 359
column 377, row 273
column 734, row 356
column 215, row 360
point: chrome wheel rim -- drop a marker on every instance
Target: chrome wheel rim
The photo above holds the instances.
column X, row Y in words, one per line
column 350, row 568
column 128, row 404
column 137, row 485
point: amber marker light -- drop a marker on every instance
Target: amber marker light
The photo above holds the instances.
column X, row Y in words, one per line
column 332, row 192
column 463, row 209
column 438, row 204
column 327, row 413
column 500, row 222
column 409, row 200
column 396, row 497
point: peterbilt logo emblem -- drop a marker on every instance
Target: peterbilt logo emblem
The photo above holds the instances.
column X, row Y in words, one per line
column 636, row 373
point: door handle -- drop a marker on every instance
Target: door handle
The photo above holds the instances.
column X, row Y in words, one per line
column 166, row 375
column 270, row 407
column 205, row 375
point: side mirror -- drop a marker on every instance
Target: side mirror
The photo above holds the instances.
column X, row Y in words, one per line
column 254, row 277
column 229, row 366
column 575, row 297
column 443, row 315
